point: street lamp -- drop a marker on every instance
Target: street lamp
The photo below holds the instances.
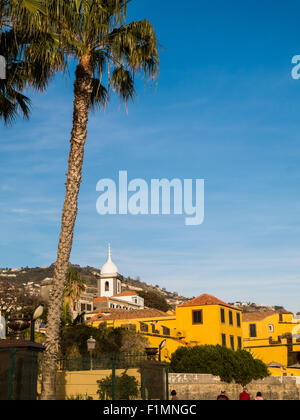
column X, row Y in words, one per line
column 161, row 346
column 38, row 312
column 91, row 344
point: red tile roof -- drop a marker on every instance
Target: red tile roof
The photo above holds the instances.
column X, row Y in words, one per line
column 204, row 300
column 125, row 294
column 119, row 314
column 100, row 299
column 259, row 316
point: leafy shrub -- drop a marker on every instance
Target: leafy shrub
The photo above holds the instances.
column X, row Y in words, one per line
column 154, row 300
column 247, row 369
column 238, row 366
column 126, row 387
column 108, row 340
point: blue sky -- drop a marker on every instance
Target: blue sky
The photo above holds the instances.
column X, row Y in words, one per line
column 227, row 110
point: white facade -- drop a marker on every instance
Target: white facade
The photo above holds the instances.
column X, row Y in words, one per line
column 134, row 299
column 110, row 286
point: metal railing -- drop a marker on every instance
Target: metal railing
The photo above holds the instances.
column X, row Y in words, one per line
column 100, row 362
column 113, row 376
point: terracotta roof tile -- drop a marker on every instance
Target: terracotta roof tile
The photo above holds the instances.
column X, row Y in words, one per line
column 100, row 299
column 259, row 316
column 125, row 294
column 204, row 300
column 120, row 314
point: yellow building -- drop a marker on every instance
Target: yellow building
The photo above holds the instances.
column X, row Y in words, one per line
column 208, row 320
column 153, row 324
column 203, row 320
column 274, row 337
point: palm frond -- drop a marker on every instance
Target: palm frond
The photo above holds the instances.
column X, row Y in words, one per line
column 13, row 104
column 122, row 83
column 48, row 34
column 99, row 95
column 136, row 45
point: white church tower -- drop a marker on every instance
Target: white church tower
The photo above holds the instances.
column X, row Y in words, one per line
column 109, row 284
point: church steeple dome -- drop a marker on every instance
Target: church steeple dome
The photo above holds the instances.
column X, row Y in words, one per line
column 109, row 282
column 109, row 268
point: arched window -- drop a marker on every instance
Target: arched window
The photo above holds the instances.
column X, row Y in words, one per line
column 107, row 286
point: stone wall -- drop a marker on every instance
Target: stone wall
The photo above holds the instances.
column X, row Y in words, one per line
column 208, row 387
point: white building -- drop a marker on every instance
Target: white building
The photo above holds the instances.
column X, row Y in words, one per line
column 107, row 295
column 109, row 283
column 110, row 290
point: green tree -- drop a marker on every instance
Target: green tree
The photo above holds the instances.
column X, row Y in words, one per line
column 67, row 315
column 12, row 102
column 238, row 366
column 134, row 343
column 154, row 300
column 247, row 368
column 20, row 73
column 74, row 288
column 108, row 341
column 93, row 34
column 126, row 387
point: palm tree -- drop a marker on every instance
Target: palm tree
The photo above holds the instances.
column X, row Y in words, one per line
column 12, row 102
column 108, row 54
column 20, row 74
column 75, row 286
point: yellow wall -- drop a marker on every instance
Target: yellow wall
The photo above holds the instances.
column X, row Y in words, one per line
column 262, row 328
column 260, row 345
column 287, row 325
column 70, row 384
column 210, row 332
column 269, row 354
column 284, row 372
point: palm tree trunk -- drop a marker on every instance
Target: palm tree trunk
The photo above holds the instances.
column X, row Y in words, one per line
column 82, row 95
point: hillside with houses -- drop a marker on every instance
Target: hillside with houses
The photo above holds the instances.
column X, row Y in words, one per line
column 19, row 286
column 25, row 283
